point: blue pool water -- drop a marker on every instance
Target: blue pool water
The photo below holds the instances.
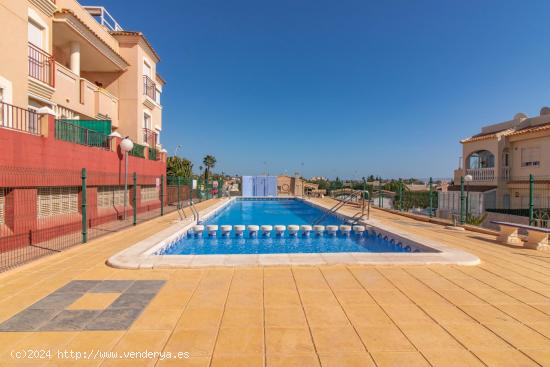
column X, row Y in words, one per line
column 273, row 212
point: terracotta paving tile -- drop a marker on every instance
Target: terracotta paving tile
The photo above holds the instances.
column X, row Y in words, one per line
column 288, row 341
column 398, row 359
column 157, row 319
column 385, row 338
column 476, row 337
column 541, row 356
column 239, row 317
column 285, row 317
column 302, row 360
column 430, row 336
column 278, row 297
column 509, row 357
column 244, row 360
column 520, row 336
column 451, row 358
column 348, row 360
column 240, row 341
column 322, row 316
column 197, row 342
column 371, row 315
column 336, row 340
column 200, row 318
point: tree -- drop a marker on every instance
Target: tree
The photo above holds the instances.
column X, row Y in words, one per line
column 180, row 167
column 209, row 162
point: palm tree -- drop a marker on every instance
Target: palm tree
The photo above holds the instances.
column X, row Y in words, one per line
column 209, row 162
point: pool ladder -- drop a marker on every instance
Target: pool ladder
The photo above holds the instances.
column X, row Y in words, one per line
column 352, row 195
column 195, row 212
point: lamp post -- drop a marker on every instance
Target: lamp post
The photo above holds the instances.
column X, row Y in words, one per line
column 467, row 180
column 126, row 145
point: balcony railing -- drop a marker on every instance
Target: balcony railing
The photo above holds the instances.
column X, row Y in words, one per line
column 149, row 88
column 481, row 174
column 41, row 65
column 67, row 131
column 150, row 137
column 17, row 118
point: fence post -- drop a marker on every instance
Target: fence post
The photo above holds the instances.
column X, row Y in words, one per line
column 161, row 195
column 84, row 221
column 531, row 199
column 380, row 193
column 134, row 199
column 431, row 199
column 178, row 188
column 462, row 200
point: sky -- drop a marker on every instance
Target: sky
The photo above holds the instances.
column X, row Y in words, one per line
column 341, row 88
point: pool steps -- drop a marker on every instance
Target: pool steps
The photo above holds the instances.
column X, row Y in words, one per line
column 266, row 230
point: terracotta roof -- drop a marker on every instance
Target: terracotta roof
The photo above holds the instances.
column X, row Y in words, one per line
column 70, row 12
column 139, row 34
column 531, row 129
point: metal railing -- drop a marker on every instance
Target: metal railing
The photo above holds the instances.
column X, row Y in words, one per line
column 67, row 131
column 41, row 65
column 20, row 119
column 149, row 88
column 150, row 137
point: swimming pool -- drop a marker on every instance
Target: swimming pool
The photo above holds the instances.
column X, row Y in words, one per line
column 382, row 242
column 286, row 212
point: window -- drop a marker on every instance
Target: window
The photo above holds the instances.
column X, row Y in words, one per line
column 157, row 96
column 36, row 36
column 149, row 193
column 2, row 204
column 146, row 121
column 56, row 200
column 109, row 196
column 146, row 69
column 530, row 157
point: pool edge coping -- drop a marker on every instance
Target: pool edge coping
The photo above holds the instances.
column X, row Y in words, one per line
column 140, row 255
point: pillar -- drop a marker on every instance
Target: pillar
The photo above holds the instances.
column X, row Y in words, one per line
column 75, row 58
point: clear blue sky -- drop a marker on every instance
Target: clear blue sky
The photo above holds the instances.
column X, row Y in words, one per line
column 347, row 88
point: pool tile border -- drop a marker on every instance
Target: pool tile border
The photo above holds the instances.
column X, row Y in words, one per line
column 142, row 254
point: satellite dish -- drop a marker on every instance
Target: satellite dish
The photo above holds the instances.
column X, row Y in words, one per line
column 545, row 111
column 520, row 116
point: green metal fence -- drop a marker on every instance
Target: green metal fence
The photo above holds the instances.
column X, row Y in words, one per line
column 153, row 153
column 138, row 151
column 67, row 130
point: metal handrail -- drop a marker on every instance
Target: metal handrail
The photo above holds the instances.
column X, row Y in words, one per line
column 339, row 205
column 41, row 65
column 17, row 118
column 149, row 87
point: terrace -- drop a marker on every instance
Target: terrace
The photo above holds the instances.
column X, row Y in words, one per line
column 493, row 314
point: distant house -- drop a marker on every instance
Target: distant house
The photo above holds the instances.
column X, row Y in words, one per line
column 294, row 186
column 500, row 159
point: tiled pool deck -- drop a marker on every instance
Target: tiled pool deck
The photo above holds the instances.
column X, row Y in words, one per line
column 494, row 314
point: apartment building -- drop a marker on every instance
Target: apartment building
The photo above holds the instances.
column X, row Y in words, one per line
column 498, row 161
column 73, row 84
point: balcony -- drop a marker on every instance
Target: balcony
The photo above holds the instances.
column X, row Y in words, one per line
column 84, row 97
column 149, row 88
column 20, row 119
column 150, row 138
column 41, row 65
